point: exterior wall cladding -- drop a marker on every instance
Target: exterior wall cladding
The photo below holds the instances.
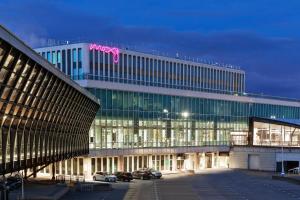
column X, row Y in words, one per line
column 153, row 104
column 45, row 117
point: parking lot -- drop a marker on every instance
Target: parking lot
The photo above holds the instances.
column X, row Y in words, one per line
column 225, row 184
column 207, row 184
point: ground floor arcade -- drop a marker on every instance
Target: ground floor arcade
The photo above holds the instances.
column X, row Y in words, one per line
column 86, row 166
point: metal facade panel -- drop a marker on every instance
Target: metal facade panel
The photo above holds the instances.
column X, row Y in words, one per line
column 43, row 118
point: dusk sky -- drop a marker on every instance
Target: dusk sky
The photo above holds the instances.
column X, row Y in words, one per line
column 260, row 36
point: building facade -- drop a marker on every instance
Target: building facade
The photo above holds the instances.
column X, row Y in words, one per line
column 161, row 112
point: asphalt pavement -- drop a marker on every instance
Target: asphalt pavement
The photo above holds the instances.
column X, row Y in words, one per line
column 211, row 184
column 226, row 184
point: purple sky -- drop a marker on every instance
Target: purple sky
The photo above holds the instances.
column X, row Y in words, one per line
column 260, row 36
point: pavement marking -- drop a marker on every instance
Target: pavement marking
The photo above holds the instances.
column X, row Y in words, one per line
column 155, row 190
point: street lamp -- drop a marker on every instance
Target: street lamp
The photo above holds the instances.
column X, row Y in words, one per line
column 185, row 114
column 282, row 164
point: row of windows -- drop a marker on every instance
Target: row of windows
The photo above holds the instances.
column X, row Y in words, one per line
column 68, row 61
column 155, row 105
column 155, row 72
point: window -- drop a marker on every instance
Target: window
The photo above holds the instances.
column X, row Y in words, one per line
column 80, row 72
column 74, row 58
column 48, row 56
column 54, row 57
column 64, row 61
column 69, row 61
column 58, row 60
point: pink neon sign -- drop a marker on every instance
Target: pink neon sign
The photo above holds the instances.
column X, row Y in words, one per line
column 113, row 50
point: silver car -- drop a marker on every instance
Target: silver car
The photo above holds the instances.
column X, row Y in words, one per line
column 103, row 176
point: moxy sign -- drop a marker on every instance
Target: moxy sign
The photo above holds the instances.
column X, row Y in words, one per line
column 113, row 50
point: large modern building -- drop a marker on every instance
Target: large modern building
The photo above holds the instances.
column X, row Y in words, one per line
column 45, row 116
column 173, row 114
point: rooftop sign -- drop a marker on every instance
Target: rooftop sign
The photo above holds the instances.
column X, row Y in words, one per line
column 113, row 50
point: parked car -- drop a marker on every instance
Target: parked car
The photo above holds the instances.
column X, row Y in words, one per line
column 295, row 170
column 155, row 173
column 124, row 176
column 141, row 174
column 103, row 176
column 11, row 182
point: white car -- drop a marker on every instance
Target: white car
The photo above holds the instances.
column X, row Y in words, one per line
column 295, row 170
column 103, row 176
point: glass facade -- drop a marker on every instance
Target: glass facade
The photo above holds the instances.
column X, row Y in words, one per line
column 164, row 72
column 275, row 133
column 68, row 61
column 139, row 120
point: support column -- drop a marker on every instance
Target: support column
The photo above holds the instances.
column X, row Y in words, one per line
column 132, row 163
column 218, row 161
column 203, row 161
column 87, row 168
column 174, row 162
column 213, row 164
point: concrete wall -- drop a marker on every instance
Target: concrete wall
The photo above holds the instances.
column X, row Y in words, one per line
column 239, row 157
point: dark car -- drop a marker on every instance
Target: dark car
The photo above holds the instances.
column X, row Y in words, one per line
column 124, row 176
column 141, row 174
column 13, row 182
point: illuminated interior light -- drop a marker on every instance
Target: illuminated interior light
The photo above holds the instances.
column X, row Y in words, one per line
column 113, row 50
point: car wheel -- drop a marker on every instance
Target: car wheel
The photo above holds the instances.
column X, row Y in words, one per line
column 94, row 178
column 106, row 180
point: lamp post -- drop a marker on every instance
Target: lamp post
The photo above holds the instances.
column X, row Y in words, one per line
column 168, row 140
column 282, row 163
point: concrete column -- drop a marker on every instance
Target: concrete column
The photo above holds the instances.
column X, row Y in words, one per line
column 108, row 164
column 174, row 162
column 132, row 163
column 150, row 162
column 87, row 168
column 218, row 161
column 203, row 161
column 128, row 163
column 213, row 164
